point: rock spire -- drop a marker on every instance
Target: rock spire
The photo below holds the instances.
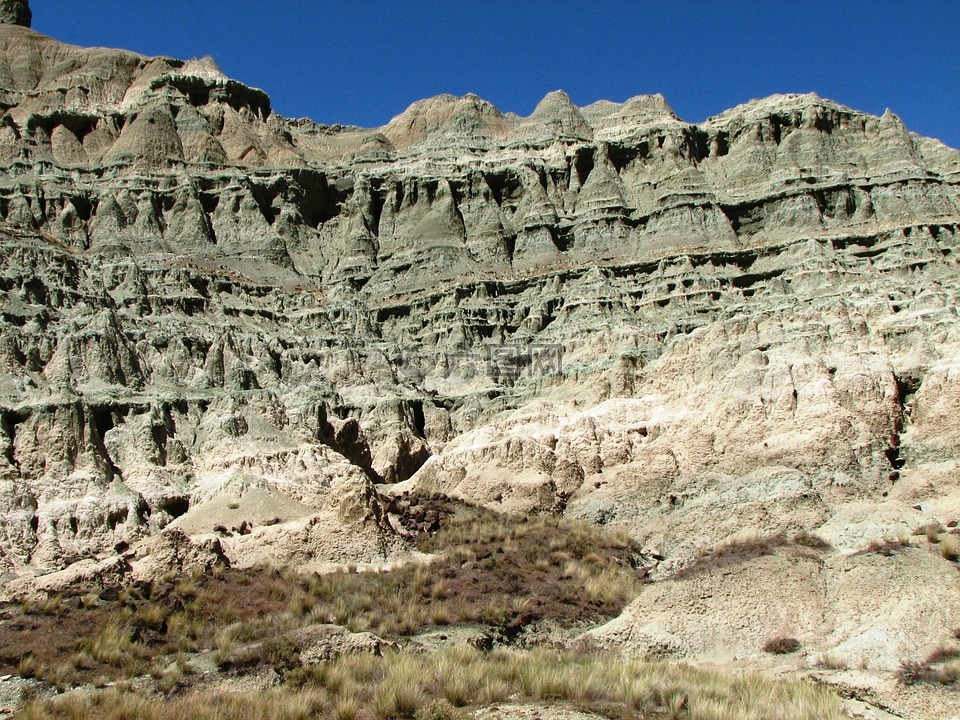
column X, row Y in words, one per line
column 15, row 12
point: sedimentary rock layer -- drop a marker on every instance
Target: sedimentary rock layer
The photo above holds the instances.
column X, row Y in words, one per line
column 686, row 329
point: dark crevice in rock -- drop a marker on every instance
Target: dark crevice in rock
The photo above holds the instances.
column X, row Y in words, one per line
column 102, row 418
column 506, row 186
column 346, row 437
column 699, row 143
column 722, row 141
column 175, row 506
column 9, row 420
column 264, row 197
column 117, row 517
column 209, row 202
column 378, row 199
column 419, row 422
column 622, row 155
column 160, row 437
column 583, row 163
column 562, row 237
column 320, row 201
column 749, row 279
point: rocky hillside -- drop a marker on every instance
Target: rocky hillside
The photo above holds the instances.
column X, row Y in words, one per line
column 211, row 315
column 229, row 338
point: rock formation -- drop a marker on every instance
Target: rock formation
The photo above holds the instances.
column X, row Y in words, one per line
column 15, row 12
column 687, row 330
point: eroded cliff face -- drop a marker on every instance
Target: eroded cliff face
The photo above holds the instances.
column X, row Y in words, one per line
column 685, row 329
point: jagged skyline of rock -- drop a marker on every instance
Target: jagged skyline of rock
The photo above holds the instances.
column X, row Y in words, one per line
column 709, row 60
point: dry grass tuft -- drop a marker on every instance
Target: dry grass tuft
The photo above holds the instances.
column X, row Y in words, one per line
column 912, row 672
column 887, row 547
column 941, row 666
column 831, row 661
column 950, row 548
column 810, row 540
column 943, row 654
column 931, row 530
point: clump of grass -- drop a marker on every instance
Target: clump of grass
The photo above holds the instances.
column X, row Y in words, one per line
column 405, row 685
column 51, row 604
column 810, row 540
column 912, row 672
column 950, row 548
column 153, row 615
column 831, row 661
column 781, row 645
column 111, row 646
column 941, row 666
column 886, row 547
column 943, row 653
column 949, row 673
column 439, row 710
column 750, row 544
column 931, row 530
column 401, row 692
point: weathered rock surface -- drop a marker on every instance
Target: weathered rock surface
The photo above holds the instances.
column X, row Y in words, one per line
column 853, row 608
column 685, row 330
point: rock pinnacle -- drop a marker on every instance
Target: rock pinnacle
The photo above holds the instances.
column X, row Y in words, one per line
column 15, row 12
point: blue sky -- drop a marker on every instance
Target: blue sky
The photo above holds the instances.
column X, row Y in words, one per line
column 363, row 62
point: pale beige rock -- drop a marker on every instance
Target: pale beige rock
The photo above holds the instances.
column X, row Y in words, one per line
column 173, row 552
column 323, row 643
column 854, row 609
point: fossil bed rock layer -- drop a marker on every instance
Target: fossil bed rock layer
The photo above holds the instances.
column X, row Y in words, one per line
column 202, row 301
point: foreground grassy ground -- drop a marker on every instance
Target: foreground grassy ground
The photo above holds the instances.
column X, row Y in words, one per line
column 147, row 651
column 452, row 683
column 490, row 570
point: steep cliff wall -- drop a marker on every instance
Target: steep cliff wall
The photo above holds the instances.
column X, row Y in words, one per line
column 687, row 329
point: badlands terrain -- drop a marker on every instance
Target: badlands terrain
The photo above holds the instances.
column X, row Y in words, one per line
column 539, row 407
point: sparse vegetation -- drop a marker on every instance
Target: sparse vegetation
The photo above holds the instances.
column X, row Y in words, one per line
column 831, row 661
column 733, row 551
column 941, row 666
column 912, row 672
column 943, row 654
column 505, row 573
column 886, row 547
column 931, row 530
column 433, row 687
column 810, row 540
column 950, row 547
column 781, row 646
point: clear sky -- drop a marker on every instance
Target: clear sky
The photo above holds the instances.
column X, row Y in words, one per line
column 362, row 62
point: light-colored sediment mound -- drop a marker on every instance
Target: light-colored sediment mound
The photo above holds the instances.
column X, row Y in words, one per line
column 853, row 608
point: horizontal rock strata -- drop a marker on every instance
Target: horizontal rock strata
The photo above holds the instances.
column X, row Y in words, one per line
column 684, row 329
